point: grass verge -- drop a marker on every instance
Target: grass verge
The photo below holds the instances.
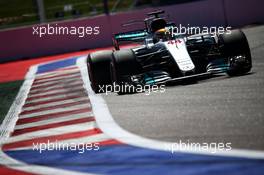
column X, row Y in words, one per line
column 8, row 92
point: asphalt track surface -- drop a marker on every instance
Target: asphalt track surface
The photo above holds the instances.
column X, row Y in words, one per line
column 221, row 109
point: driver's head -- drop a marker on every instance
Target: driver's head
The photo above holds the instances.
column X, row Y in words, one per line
column 161, row 34
column 161, row 31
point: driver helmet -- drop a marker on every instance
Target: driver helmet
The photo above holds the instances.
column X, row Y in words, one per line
column 161, row 35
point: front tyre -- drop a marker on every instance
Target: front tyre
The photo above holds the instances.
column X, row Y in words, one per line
column 124, row 64
column 235, row 48
column 98, row 64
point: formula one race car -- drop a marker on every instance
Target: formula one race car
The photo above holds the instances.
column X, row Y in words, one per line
column 164, row 59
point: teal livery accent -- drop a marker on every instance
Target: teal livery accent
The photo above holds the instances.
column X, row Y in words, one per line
column 149, row 80
column 132, row 35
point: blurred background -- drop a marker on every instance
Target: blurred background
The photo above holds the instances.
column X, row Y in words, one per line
column 15, row 13
column 17, row 18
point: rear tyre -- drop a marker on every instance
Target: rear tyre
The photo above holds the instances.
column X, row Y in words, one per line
column 235, row 47
column 99, row 70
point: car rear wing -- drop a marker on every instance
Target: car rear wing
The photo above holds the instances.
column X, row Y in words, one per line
column 133, row 36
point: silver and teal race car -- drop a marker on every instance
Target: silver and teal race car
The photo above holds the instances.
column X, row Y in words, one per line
column 165, row 59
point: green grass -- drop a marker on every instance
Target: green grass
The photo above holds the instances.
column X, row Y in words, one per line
column 86, row 7
column 8, row 92
column 17, row 12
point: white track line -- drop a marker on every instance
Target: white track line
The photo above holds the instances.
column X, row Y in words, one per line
column 107, row 124
column 9, row 122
